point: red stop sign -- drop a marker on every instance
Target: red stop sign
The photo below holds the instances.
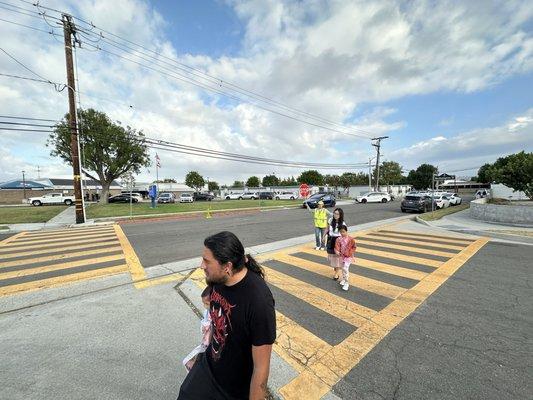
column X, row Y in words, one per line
column 304, row 190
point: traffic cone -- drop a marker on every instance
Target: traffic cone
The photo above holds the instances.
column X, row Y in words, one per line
column 208, row 213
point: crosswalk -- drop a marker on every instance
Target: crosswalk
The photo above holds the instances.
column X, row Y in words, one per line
column 36, row 260
column 324, row 331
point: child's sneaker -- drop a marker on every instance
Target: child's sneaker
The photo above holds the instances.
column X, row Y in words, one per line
column 322, row 248
column 345, row 286
column 317, row 248
column 342, row 282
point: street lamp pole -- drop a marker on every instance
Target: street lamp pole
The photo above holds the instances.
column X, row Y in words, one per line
column 24, row 183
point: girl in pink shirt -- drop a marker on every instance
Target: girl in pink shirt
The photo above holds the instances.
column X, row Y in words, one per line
column 345, row 249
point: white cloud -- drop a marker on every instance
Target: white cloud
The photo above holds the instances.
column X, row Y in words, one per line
column 323, row 57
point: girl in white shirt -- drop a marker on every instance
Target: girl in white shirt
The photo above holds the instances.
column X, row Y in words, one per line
column 334, row 224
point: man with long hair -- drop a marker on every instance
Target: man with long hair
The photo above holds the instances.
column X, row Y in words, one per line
column 236, row 364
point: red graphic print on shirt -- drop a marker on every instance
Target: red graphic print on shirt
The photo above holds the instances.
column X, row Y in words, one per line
column 221, row 317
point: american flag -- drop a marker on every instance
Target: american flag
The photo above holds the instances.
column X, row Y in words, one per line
column 157, row 161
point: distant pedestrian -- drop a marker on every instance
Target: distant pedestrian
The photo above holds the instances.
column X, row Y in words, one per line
column 205, row 329
column 236, row 363
column 333, row 232
column 345, row 247
column 320, row 216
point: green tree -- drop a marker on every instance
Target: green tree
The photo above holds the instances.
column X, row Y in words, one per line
column 390, row 172
column 212, row 186
column 332, row 180
column 195, row 180
column 238, row 184
column 253, row 181
column 166, row 180
column 311, row 177
column 422, row 177
column 288, row 182
column 270, row 180
column 109, row 150
column 515, row 171
column 484, row 174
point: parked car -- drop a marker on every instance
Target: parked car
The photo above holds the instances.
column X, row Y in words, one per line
column 373, row 197
column 51, row 198
column 416, row 202
column 454, row 199
column 328, row 199
column 186, row 198
column 249, row 196
column 122, row 198
column 266, row 195
column 286, row 196
column 482, row 193
column 233, row 196
column 166, row 198
column 441, row 201
column 203, row 196
column 138, row 196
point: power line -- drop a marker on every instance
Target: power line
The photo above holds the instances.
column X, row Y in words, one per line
column 28, row 118
column 25, row 130
column 25, row 124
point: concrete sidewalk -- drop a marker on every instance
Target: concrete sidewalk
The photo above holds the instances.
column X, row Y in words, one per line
column 462, row 222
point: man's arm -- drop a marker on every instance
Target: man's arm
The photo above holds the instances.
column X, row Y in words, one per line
column 258, row 384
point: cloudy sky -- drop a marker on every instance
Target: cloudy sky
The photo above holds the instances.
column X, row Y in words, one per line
column 448, row 81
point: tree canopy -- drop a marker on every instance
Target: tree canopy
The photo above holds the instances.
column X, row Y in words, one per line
column 212, row 186
column 195, row 180
column 515, row 171
column 270, row 180
column 253, row 181
column 311, row 177
column 422, row 177
column 108, row 149
column 390, row 173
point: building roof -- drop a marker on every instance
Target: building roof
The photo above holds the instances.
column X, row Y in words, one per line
column 19, row 184
column 70, row 182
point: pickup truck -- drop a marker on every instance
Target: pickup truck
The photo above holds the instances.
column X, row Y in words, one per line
column 51, row 198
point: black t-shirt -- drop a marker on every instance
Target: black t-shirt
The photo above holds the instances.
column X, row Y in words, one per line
column 242, row 315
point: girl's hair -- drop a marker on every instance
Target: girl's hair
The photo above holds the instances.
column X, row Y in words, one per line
column 226, row 247
column 207, row 291
column 341, row 219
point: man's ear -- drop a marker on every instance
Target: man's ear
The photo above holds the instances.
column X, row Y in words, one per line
column 228, row 267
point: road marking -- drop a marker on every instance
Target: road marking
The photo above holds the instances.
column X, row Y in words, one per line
column 397, row 256
column 55, row 267
column 59, row 257
column 319, row 376
column 390, row 269
column 62, row 280
column 11, row 248
column 41, row 243
column 428, row 238
column 393, row 240
column 66, row 248
column 11, row 238
column 66, row 233
column 58, row 238
column 175, row 277
column 364, row 240
column 134, row 264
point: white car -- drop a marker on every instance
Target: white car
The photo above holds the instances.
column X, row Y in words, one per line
column 51, row 198
column 286, row 196
column 441, row 201
column 137, row 196
column 454, row 199
column 233, row 196
column 373, row 197
column 249, row 196
column 482, row 193
column 186, row 198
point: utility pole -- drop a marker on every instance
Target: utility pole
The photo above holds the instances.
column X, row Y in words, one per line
column 24, row 184
column 68, row 30
column 377, row 145
column 38, row 172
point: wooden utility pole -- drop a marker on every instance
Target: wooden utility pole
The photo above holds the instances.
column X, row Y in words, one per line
column 377, row 145
column 68, row 29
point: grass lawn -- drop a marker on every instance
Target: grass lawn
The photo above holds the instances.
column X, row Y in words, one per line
column 121, row 210
column 19, row 215
column 438, row 214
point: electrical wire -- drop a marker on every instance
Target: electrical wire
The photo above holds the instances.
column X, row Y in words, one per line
column 28, row 118
column 25, row 124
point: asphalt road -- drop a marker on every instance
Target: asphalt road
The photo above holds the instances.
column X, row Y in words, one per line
column 163, row 241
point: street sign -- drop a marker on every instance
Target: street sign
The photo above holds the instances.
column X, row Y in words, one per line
column 153, row 191
column 304, row 190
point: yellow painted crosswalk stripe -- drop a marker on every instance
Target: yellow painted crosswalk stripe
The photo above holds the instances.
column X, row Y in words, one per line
column 69, row 239
column 67, row 231
column 12, row 238
column 428, row 238
column 390, row 269
column 352, row 313
column 297, row 345
column 397, row 256
column 61, row 280
column 84, row 246
column 134, row 264
column 318, row 378
column 59, row 266
column 368, row 284
column 70, row 233
column 412, row 241
column 364, row 240
column 59, row 257
column 80, row 243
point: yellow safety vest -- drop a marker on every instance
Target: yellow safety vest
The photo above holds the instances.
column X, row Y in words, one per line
column 321, row 218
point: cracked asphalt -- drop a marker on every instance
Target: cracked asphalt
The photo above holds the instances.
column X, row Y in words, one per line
column 472, row 339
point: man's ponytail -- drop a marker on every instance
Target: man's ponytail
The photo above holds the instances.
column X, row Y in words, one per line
column 254, row 266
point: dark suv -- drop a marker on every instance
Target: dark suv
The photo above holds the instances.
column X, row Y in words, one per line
column 328, row 199
column 416, row 202
column 203, row 197
column 266, row 195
